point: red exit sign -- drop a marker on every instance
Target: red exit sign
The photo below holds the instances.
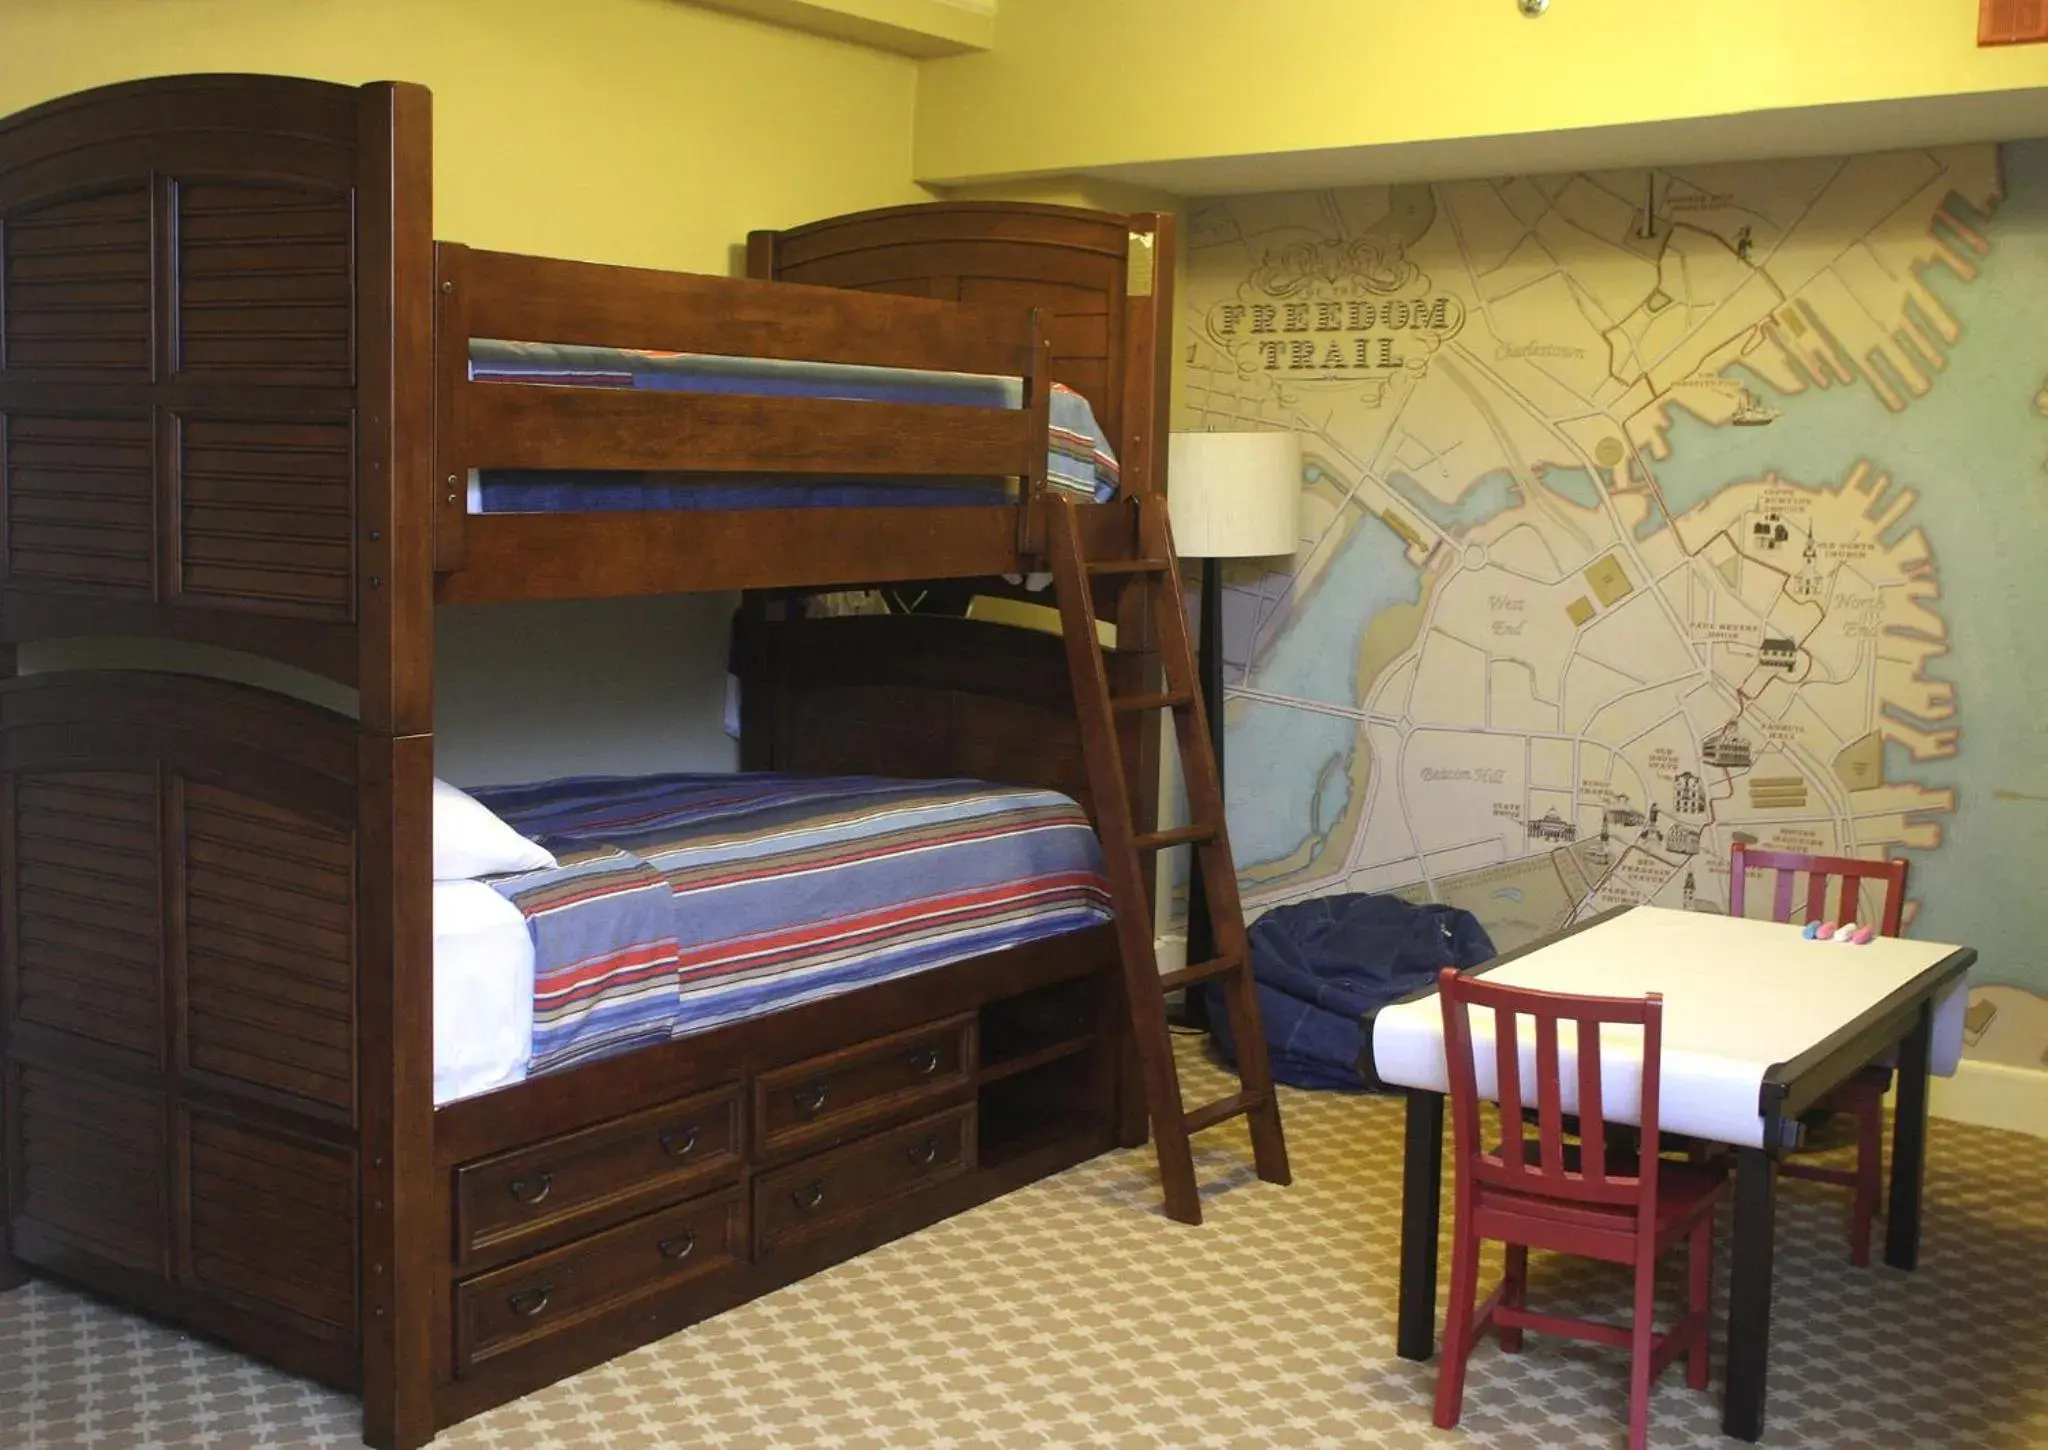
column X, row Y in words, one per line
column 2011, row 22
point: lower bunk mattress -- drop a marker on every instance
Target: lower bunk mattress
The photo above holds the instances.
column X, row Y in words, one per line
column 682, row 903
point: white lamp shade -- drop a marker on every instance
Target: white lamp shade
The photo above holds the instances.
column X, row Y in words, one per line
column 1234, row 495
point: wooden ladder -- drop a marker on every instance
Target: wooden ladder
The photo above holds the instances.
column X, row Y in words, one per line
column 1155, row 572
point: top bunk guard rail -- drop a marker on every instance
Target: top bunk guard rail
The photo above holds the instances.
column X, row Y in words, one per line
column 503, row 296
column 546, row 299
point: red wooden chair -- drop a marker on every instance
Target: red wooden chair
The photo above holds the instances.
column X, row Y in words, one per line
column 1548, row 1195
column 1862, row 1096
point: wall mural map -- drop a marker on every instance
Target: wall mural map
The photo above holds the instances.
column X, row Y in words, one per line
column 1646, row 513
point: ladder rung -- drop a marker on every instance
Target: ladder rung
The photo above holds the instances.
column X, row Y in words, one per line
column 1222, row 1110
column 1178, row 836
column 1173, row 699
column 1128, row 566
column 1199, row 972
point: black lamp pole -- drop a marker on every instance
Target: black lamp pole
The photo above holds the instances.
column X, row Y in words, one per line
column 1209, row 661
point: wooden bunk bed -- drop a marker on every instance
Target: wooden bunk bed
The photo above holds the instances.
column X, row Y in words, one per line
column 238, row 412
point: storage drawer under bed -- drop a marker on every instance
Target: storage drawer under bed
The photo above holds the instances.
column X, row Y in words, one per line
column 556, row 1189
column 809, row 1101
column 509, row 1308
column 829, row 1189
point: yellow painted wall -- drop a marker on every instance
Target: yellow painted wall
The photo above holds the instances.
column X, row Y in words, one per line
column 634, row 131
column 1147, row 80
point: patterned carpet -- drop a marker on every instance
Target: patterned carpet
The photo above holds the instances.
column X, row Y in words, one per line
column 1072, row 1314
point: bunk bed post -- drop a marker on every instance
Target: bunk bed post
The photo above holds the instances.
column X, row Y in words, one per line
column 1148, row 351
column 761, row 255
column 450, row 509
column 394, row 586
column 1038, row 403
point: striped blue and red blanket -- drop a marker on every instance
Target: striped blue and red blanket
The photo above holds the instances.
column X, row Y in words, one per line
column 683, row 902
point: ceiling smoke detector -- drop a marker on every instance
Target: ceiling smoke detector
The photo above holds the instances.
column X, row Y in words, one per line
column 1533, row 8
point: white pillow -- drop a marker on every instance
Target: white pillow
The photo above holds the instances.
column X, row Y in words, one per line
column 483, row 991
column 470, row 842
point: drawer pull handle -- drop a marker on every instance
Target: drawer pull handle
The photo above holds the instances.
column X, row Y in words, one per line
column 809, row 1099
column 925, row 1153
column 926, row 1062
column 809, row 1196
column 533, row 1191
column 677, row 1142
column 529, row 1302
column 678, row 1247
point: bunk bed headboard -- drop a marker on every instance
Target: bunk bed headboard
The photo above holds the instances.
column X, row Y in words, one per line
column 214, row 346
column 918, row 696
column 216, row 426
column 1104, row 282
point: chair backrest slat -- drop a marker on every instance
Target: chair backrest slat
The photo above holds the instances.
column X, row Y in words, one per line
column 1507, row 1058
column 1850, row 871
column 1553, row 1173
column 1592, row 1108
column 1816, row 894
column 1549, row 1104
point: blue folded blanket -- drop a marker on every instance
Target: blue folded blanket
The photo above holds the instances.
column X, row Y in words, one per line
column 1323, row 966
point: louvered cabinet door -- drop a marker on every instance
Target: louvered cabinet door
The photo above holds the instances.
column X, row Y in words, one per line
column 206, row 285
column 182, row 369
column 263, row 980
column 81, row 994
column 178, row 1000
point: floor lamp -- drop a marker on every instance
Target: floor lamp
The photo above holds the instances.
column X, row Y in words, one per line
column 1231, row 496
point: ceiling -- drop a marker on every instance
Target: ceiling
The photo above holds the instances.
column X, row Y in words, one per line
column 1753, row 135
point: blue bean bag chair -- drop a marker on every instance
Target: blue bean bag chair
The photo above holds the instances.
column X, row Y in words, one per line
column 1323, row 966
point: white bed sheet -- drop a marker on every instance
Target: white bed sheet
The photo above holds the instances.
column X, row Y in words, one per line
column 483, row 991
column 1739, row 997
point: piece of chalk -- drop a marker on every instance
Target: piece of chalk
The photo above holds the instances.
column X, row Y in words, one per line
column 1863, row 936
column 1827, row 928
column 1847, row 932
column 1811, row 931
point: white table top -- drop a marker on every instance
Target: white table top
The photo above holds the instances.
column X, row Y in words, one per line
column 1740, row 996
